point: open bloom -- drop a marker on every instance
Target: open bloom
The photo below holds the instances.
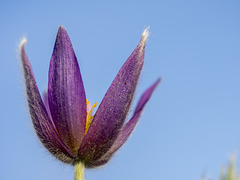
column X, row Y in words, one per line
column 63, row 118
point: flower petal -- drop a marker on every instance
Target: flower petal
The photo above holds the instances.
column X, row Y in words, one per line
column 97, row 163
column 114, row 107
column 66, row 94
column 46, row 104
column 129, row 126
column 40, row 118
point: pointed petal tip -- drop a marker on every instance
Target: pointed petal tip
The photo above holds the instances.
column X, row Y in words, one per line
column 21, row 50
column 22, row 43
column 61, row 27
column 143, row 40
column 158, row 80
column 61, row 30
column 155, row 84
column 146, row 95
column 145, row 35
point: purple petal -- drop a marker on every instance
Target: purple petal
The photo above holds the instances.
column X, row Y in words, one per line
column 46, row 104
column 66, row 94
column 126, row 130
column 130, row 125
column 114, row 107
column 41, row 121
column 146, row 96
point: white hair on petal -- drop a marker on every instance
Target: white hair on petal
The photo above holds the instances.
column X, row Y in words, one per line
column 22, row 42
column 145, row 35
column 144, row 38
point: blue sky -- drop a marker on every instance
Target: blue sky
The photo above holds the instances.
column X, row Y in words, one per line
column 192, row 123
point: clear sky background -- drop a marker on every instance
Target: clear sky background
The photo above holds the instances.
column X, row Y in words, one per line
column 192, row 123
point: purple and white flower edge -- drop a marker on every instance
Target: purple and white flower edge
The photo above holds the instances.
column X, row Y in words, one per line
column 63, row 118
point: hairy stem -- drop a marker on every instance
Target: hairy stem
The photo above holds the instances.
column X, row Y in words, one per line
column 79, row 171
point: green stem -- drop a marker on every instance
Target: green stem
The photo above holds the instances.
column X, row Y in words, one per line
column 79, row 171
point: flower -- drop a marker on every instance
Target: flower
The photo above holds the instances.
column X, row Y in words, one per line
column 63, row 118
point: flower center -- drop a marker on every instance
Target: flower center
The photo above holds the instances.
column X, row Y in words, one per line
column 89, row 115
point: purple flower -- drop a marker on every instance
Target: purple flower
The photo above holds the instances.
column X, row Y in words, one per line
column 63, row 118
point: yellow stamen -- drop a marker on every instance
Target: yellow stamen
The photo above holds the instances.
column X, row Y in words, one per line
column 89, row 115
